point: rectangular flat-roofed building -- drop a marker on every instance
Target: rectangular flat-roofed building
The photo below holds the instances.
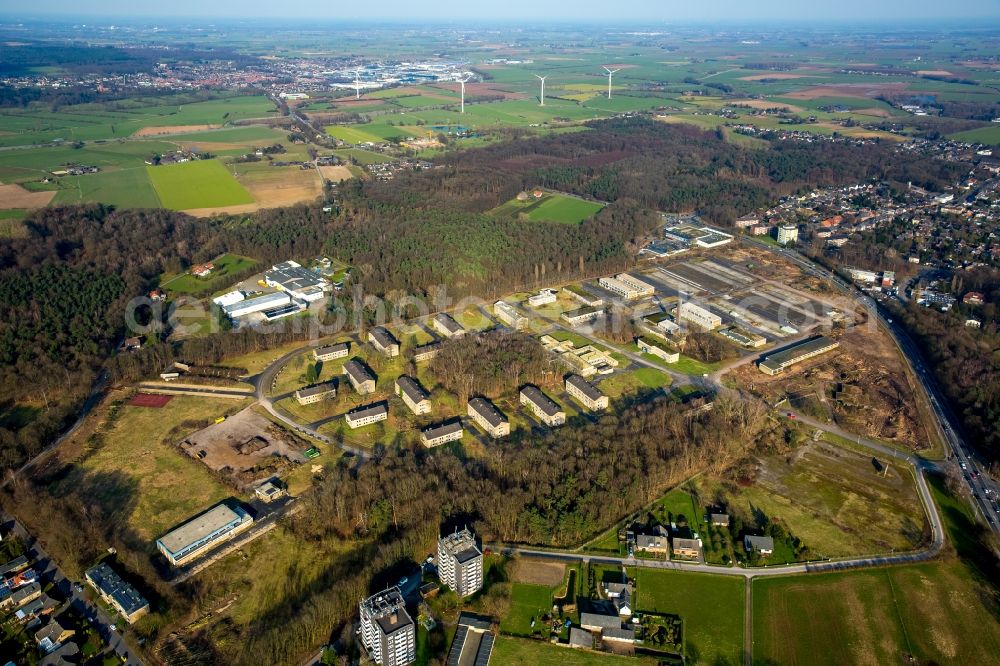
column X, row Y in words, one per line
column 778, row 362
column 302, row 283
column 384, row 341
column 585, row 297
column 653, row 348
column 442, row 433
column 542, row 406
column 118, row 593
column 196, row 536
column 580, row 316
column 367, row 415
column 627, row 286
column 509, row 315
column 257, row 304
column 313, row 394
column 460, row 562
column 360, row 377
column 331, row 352
column 473, row 644
column 446, row 325
column 387, row 630
column 426, row 352
column 413, row 395
column 688, row 311
column 488, row 417
column 586, row 393
column 544, row 297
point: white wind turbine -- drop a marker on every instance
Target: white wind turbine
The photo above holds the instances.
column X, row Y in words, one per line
column 357, row 83
column 463, row 82
column 542, row 79
column 610, row 73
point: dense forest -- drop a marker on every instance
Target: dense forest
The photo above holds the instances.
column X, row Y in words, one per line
column 491, row 364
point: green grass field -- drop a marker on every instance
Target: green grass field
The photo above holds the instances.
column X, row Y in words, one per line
column 126, row 188
column 935, row 611
column 120, row 119
column 508, row 650
column 139, row 448
column 712, row 608
column 225, row 266
column 527, row 602
column 200, row 184
column 551, row 207
column 834, row 500
column 985, row 135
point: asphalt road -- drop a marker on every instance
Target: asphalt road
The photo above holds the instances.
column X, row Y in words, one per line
column 981, row 488
column 94, row 613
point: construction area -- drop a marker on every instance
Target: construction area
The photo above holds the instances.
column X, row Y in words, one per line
column 861, row 386
column 245, row 448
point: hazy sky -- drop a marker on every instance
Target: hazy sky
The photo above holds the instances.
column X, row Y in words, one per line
column 521, row 11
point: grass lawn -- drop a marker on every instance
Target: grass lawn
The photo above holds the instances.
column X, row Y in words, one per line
column 147, row 471
column 630, row 381
column 712, row 608
column 199, row 184
column 508, row 650
column 127, row 188
column 986, row 135
column 935, row 611
column 226, row 265
column 367, row 133
column 834, row 500
column 551, row 207
column 527, row 602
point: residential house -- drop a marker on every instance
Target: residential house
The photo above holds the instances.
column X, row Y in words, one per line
column 446, row 325
column 974, row 298
column 442, row 433
column 620, row 595
column 384, row 341
column 687, row 548
column 488, row 417
column 586, row 393
column 367, row 415
column 121, row 595
column 581, row 638
column 317, row 393
column 720, row 519
column 762, row 545
column 52, row 635
column 413, row 395
column 542, row 406
column 652, row 543
column 331, row 352
column 360, row 377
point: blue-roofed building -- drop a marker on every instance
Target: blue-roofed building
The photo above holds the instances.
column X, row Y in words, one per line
column 117, row 592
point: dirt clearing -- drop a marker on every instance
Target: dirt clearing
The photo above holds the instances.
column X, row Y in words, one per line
column 15, row 196
column 859, row 90
column 775, row 76
column 336, row 173
column 172, row 129
column 150, row 400
column 246, row 448
column 538, row 572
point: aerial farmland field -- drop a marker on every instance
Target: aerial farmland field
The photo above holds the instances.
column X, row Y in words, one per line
column 200, row 184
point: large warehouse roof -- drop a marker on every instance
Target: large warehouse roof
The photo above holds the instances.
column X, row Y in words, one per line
column 199, row 527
